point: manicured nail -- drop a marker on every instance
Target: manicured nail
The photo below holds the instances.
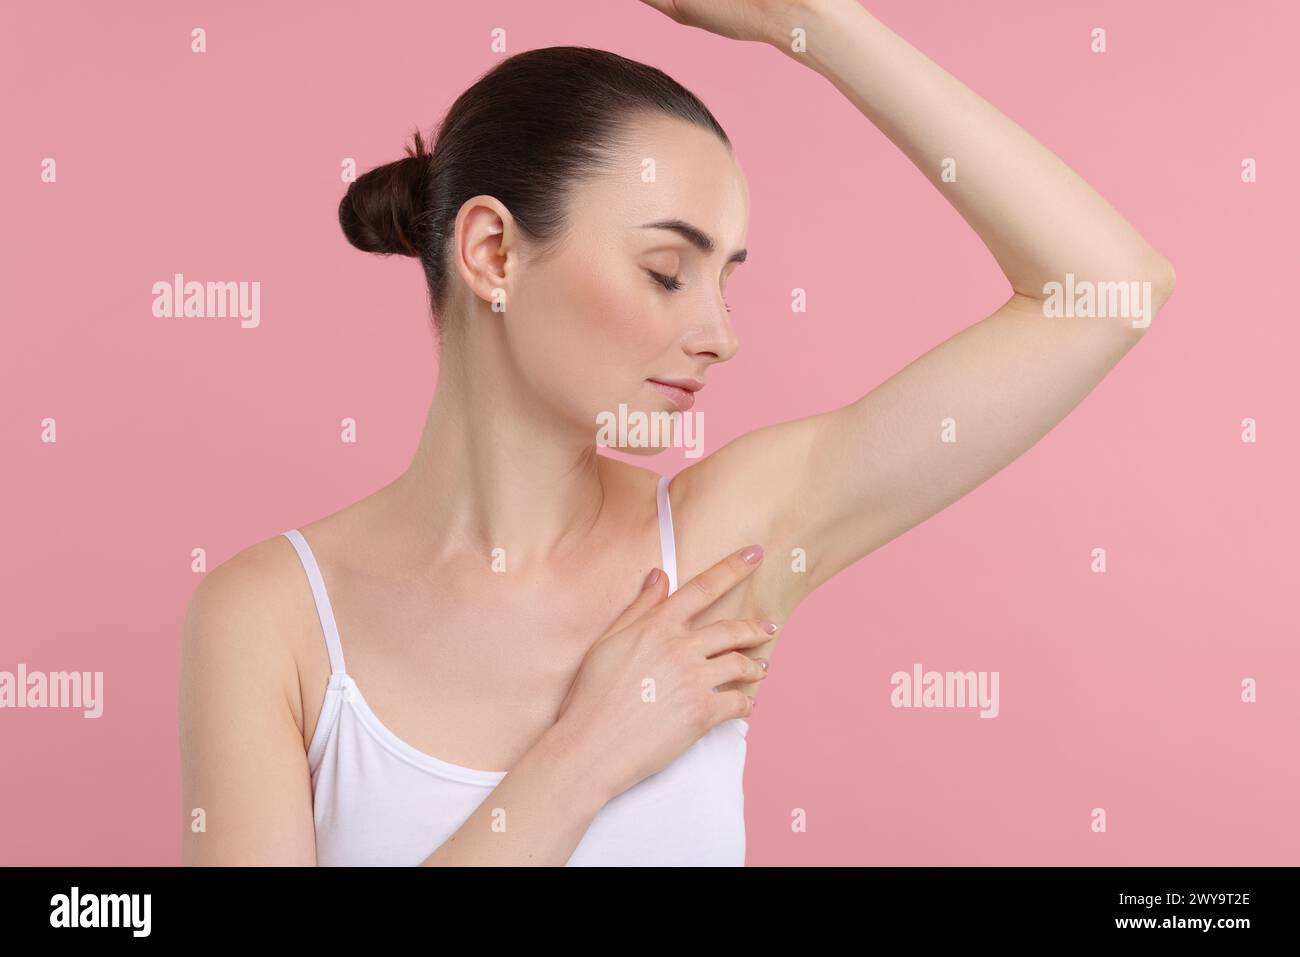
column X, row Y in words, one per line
column 753, row 553
column 770, row 627
column 652, row 577
column 763, row 662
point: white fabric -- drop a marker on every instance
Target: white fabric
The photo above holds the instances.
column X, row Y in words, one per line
column 378, row 800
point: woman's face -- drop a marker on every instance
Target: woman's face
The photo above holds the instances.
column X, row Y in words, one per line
column 592, row 325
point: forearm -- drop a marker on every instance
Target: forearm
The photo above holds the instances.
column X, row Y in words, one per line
column 1039, row 218
column 537, row 814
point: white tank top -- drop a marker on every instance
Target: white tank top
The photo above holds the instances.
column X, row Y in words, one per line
column 378, row 800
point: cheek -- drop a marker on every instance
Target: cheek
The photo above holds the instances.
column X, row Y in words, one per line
column 630, row 328
column 609, row 321
column 590, row 336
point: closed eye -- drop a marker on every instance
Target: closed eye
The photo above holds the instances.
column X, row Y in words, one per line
column 668, row 282
column 671, row 283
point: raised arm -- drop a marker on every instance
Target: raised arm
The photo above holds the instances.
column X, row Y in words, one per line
column 842, row 483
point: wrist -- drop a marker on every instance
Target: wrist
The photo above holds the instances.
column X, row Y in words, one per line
column 798, row 14
column 567, row 761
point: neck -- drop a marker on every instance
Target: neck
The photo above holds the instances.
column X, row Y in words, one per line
column 495, row 468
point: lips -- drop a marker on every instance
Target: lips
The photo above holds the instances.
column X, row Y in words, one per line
column 681, row 397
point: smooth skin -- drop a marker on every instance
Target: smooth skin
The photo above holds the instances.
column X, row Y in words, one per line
column 479, row 668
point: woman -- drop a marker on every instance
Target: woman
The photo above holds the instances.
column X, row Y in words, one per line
column 472, row 598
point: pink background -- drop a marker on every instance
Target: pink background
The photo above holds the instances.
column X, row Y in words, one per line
column 1119, row 691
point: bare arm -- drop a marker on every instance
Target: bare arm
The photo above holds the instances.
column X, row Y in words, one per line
column 535, row 816
column 843, row 483
column 245, row 784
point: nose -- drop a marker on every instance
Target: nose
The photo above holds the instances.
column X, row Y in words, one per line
column 714, row 340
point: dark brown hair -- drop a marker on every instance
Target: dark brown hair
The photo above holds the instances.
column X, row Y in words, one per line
column 526, row 132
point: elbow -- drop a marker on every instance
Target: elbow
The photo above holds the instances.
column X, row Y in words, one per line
column 1132, row 293
column 1162, row 283
column 1150, row 293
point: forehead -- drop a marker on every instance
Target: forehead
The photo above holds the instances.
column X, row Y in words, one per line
column 667, row 168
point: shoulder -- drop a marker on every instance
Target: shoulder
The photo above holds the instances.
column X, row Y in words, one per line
column 731, row 498
column 747, row 492
column 241, row 621
column 252, row 585
column 239, row 707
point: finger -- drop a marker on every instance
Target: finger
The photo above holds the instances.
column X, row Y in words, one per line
column 733, row 704
column 652, row 592
column 733, row 666
column 732, row 633
column 710, row 585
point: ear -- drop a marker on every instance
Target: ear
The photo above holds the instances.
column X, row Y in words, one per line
column 485, row 250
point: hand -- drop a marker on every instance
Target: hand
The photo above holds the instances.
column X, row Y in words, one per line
column 764, row 21
column 606, row 716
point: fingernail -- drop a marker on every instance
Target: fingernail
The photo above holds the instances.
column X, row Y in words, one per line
column 652, row 577
column 770, row 627
column 753, row 553
column 763, row 662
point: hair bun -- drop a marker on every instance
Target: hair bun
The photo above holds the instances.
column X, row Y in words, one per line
column 381, row 211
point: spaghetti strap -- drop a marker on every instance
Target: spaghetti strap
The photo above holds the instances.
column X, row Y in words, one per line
column 322, row 598
column 667, row 542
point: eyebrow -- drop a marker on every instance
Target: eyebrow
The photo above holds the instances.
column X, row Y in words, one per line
column 695, row 236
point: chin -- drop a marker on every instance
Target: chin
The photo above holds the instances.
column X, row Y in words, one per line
column 639, row 449
column 637, row 428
